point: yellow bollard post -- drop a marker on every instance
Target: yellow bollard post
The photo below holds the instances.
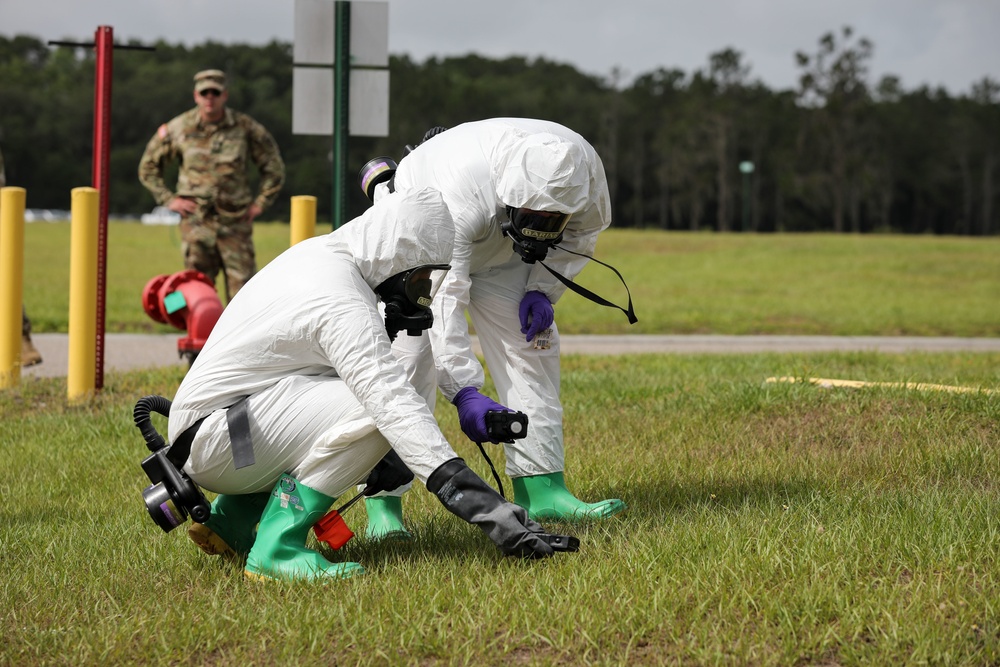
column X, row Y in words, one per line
column 82, row 372
column 11, row 284
column 303, row 222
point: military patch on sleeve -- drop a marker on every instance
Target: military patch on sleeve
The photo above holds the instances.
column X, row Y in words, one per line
column 162, row 132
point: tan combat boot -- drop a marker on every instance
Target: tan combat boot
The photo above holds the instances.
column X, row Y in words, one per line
column 30, row 356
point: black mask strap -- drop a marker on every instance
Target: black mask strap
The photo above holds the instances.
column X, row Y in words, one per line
column 587, row 294
column 492, row 469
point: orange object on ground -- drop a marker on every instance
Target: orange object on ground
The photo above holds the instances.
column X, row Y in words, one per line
column 332, row 529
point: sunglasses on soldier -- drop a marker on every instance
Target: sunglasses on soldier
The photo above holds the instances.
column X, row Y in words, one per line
column 210, row 92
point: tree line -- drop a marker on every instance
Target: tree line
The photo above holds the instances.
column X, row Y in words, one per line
column 713, row 149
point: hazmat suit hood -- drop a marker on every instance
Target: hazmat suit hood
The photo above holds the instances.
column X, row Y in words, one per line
column 400, row 232
column 542, row 172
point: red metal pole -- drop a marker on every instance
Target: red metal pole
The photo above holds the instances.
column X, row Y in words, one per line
column 104, row 45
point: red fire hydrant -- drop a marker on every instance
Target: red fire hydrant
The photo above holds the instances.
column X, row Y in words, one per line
column 186, row 300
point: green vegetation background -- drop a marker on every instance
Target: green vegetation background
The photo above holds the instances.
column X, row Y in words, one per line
column 839, row 152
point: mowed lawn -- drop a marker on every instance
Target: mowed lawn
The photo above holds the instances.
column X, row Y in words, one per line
column 680, row 282
column 768, row 523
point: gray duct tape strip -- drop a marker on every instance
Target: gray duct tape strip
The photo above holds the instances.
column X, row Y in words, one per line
column 238, row 422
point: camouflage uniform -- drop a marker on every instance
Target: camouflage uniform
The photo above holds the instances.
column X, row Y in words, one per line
column 214, row 164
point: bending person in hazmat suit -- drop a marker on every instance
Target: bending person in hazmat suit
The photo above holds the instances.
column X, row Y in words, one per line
column 515, row 187
column 297, row 396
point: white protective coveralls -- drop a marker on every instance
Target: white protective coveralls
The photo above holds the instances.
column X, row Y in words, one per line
column 305, row 340
column 480, row 168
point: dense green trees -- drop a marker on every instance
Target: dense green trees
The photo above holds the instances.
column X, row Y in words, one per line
column 839, row 152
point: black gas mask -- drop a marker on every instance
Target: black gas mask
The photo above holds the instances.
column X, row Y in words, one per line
column 407, row 297
column 533, row 232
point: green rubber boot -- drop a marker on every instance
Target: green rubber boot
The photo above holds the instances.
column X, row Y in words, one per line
column 385, row 519
column 279, row 552
column 547, row 498
column 232, row 526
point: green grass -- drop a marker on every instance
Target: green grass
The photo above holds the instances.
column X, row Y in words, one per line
column 820, row 284
column 135, row 254
column 680, row 282
column 768, row 524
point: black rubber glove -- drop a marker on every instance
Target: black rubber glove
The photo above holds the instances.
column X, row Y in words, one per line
column 388, row 474
column 467, row 496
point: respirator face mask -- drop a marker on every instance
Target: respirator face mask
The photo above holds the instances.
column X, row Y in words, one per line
column 533, row 232
column 407, row 297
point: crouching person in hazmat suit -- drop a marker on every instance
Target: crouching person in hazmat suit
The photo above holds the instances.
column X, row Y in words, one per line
column 516, row 188
column 297, row 396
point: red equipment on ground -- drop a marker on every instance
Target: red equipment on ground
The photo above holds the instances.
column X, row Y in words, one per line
column 188, row 301
column 332, row 529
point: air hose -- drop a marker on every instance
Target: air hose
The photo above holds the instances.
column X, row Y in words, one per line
column 145, row 405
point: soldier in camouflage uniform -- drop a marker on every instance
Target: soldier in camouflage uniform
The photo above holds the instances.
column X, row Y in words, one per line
column 30, row 355
column 215, row 146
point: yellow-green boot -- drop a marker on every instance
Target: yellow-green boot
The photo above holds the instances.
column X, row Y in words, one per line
column 280, row 552
column 385, row 519
column 547, row 498
column 231, row 529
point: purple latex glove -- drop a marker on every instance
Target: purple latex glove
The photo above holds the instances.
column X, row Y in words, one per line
column 537, row 308
column 472, row 408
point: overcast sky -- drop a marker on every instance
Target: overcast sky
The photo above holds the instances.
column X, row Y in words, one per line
column 949, row 43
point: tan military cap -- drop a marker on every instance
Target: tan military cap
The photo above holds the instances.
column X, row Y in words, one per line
column 209, row 78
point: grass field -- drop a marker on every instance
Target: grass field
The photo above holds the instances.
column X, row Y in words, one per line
column 680, row 282
column 768, row 524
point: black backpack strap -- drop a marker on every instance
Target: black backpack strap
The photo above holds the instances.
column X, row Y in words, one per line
column 181, row 449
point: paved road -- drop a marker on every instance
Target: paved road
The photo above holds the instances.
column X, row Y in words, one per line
column 132, row 351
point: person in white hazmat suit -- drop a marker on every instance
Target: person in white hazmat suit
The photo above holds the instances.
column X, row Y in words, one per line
column 305, row 345
column 515, row 188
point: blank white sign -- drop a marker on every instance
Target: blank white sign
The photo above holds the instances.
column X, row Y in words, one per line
column 315, row 33
column 313, row 99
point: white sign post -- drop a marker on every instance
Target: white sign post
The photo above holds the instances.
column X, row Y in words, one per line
column 340, row 78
